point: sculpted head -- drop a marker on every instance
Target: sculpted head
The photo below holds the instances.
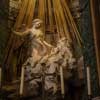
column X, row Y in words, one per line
column 37, row 23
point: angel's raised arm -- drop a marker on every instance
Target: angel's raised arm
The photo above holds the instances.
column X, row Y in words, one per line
column 21, row 33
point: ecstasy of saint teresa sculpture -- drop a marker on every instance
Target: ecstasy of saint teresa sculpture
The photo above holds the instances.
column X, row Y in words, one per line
column 45, row 59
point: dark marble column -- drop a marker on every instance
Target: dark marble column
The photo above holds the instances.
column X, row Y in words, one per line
column 3, row 28
column 89, row 49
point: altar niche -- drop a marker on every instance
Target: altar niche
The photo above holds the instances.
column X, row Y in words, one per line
column 42, row 52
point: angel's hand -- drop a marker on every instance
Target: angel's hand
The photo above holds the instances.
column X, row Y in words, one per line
column 15, row 31
column 21, row 33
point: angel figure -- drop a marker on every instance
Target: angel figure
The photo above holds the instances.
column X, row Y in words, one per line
column 38, row 49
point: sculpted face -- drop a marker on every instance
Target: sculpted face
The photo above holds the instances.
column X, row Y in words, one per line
column 36, row 28
column 37, row 23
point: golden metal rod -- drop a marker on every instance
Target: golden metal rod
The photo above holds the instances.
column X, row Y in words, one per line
column 60, row 27
column 31, row 13
column 50, row 13
column 21, row 14
column 74, row 27
column 63, row 20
